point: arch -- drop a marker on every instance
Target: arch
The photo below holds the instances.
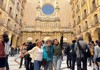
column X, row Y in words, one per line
column 6, row 32
column 96, row 34
column 47, row 38
column 12, row 39
column 88, row 37
column 29, row 39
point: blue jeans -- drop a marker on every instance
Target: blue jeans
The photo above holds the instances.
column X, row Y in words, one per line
column 37, row 65
column 57, row 60
column 48, row 66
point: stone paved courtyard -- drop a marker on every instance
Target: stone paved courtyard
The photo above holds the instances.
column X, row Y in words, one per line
column 15, row 66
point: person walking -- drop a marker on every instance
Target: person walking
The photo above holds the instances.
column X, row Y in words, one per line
column 80, row 55
column 23, row 50
column 28, row 58
column 7, row 47
column 36, row 54
column 97, row 54
column 73, row 54
column 92, row 52
column 57, row 57
column 48, row 55
column 67, row 53
column 2, row 54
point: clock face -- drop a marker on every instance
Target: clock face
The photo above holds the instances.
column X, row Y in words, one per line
column 48, row 9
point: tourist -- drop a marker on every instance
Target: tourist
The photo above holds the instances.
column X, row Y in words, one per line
column 80, row 55
column 97, row 54
column 28, row 58
column 7, row 47
column 48, row 55
column 57, row 58
column 73, row 54
column 92, row 52
column 67, row 53
column 23, row 50
column 2, row 54
column 36, row 54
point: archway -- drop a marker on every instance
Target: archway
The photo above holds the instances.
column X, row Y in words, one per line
column 29, row 39
column 88, row 37
column 6, row 32
column 96, row 34
column 12, row 40
column 46, row 38
column 17, row 42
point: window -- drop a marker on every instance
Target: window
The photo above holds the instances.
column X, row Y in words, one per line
column 48, row 9
column 10, row 11
column 23, row 4
column 83, row 2
column 20, row 21
column 1, row 2
column 16, row 17
column 84, row 13
column 13, row 1
column 79, row 29
column 99, row 34
column 77, row 9
column 78, row 20
column 93, row 4
column 8, row 23
column 73, row 14
column 74, row 22
column 73, row 6
column 86, row 24
column 18, row 8
column 96, row 18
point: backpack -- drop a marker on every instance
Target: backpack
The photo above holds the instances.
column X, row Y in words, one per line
column 85, row 52
column 2, row 49
column 67, row 50
column 73, row 53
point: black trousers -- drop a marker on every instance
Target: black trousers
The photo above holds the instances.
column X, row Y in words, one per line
column 21, row 61
column 28, row 64
column 68, row 61
column 84, row 61
column 31, row 66
column 7, row 64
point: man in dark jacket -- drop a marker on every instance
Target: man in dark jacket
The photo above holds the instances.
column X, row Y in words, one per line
column 29, row 65
column 67, row 53
column 73, row 54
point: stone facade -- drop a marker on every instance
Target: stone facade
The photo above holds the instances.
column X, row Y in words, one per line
column 11, row 13
column 86, row 19
column 38, row 25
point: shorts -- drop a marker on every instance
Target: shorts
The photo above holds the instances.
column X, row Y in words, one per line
column 2, row 62
column 98, row 59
